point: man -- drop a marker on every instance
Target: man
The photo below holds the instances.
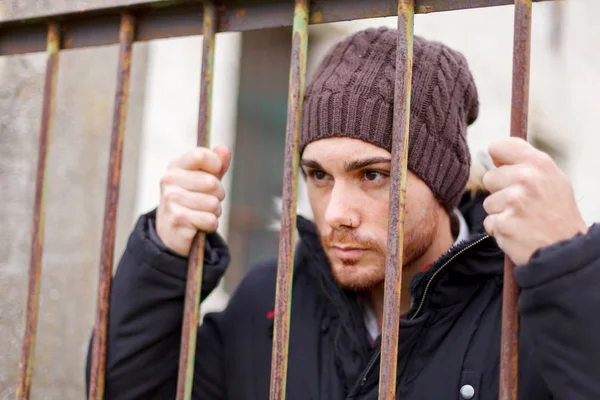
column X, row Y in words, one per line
column 449, row 343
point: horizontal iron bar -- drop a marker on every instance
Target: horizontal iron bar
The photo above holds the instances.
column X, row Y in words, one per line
column 160, row 19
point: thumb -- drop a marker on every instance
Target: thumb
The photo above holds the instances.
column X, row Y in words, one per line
column 224, row 155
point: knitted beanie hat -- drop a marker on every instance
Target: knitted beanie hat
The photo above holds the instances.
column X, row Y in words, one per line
column 351, row 94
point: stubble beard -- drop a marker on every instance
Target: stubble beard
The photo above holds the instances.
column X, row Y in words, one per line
column 367, row 273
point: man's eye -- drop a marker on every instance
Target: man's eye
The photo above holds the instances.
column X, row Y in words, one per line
column 374, row 176
column 318, row 175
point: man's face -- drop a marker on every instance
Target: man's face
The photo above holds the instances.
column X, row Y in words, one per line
column 348, row 183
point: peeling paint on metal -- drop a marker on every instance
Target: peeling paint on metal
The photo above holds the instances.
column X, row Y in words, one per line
column 393, row 272
column 37, row 230
column 166, row 19
column 509, row 353
column 196, row 258
column 316, row 17
column 283, row 296
column 126, row 38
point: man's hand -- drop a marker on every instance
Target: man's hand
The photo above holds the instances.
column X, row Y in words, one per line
column 532, row 204
column 191, row 196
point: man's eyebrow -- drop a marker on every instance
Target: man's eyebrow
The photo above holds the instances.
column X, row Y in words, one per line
column 310, row 164
column 365, row 162
column 349, row 166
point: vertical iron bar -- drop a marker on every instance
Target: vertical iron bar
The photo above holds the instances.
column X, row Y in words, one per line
column 37, row 229
column 191, row 308
column 395, row 246
column 126, row 37
column 509, row 357
column 283, row 296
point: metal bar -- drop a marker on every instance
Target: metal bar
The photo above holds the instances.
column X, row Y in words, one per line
column 196, row 258
column 126, row 38
column 167, row 18
column 37, row 230
column 509, row 356
column 283, row 295
column 395, row 246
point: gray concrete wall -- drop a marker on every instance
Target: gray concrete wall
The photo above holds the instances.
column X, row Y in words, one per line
column 78, row 165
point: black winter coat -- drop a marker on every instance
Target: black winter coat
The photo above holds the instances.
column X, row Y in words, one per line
column 450, row 338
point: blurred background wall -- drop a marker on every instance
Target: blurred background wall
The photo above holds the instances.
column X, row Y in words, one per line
column 249, row 114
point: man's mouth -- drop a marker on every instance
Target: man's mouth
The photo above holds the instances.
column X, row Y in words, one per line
column 348, row 253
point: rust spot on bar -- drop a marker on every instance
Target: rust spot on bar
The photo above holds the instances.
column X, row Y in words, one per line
column 316, row 17
column 395, row 246
column 126, row 38
column 240, row 13
column 193, row 287
column 509, row 354
column 283, row 295
column 37, row 229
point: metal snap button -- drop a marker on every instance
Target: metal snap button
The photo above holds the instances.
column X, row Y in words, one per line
column 467, row 392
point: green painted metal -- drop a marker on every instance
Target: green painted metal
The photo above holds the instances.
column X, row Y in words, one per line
column 97, row 373
column 283, row 296
column 37, row 236
column 196, row 258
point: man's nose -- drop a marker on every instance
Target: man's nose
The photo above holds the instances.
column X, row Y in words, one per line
column 341, row 210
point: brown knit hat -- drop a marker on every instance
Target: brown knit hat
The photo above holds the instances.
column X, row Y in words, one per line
column 351, row 94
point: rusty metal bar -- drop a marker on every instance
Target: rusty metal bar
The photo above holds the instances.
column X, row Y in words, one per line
column 161, row 19
column 126, row 38
column 509, row 355
column 283, row 295
column 196, row 259
column 395, row 246
column 37, row 229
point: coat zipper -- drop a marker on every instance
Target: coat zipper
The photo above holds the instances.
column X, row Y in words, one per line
column 363, row 378
column 424, row 297
column 376, row 356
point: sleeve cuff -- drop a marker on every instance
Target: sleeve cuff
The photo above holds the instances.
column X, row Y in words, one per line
column 161, row 258
column 560, row 259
